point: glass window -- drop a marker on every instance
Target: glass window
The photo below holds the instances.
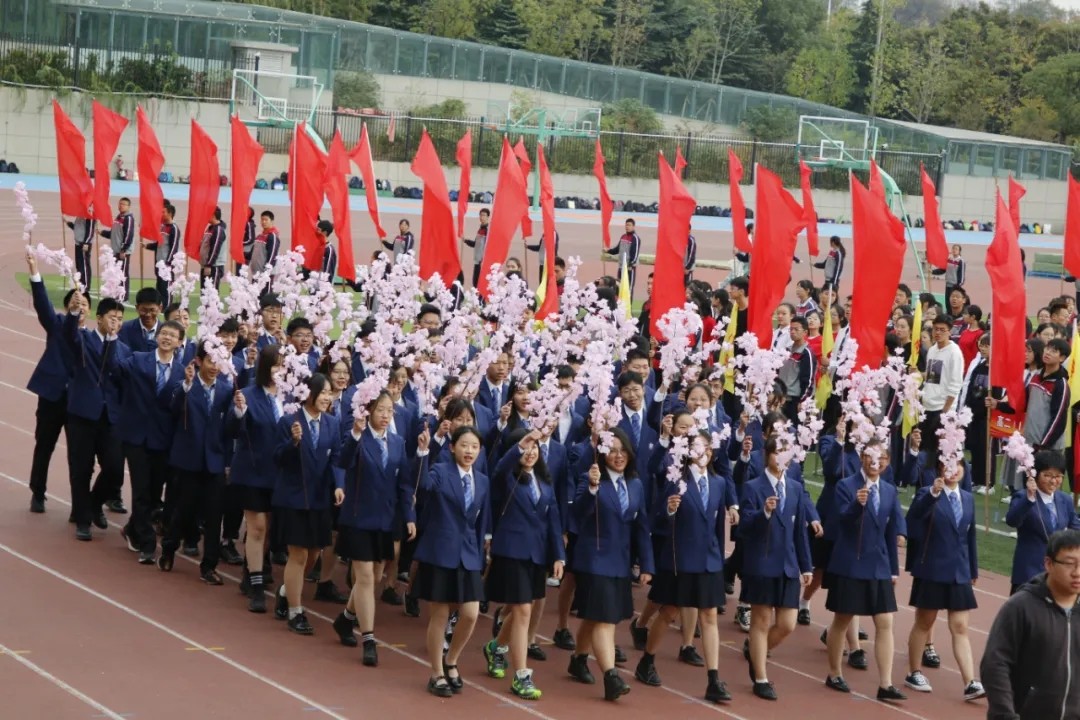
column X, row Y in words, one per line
column 656, row 93
column 628, row 86
column 731, row 106
column 985, row 156
column 128, row 32
column 577, row 80
column 496, row 64
column 192, row 38
column 1033, row 160
column 161, row 34
column 1010, row 161
column 440, row 58
column 468, row 65
column 602, row 85
column 960, row 158
column 1055, row 165
column 410, row 55
column 523, row 70
column 380, row 53
column 549, row 76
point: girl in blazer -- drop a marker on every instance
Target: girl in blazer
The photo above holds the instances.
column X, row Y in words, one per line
column 253, row 426
column 380, row 493
column 450, row 553
column 307, row 452
column 1037, row 512
column 690, row 565
column 526, row 542
column 776, row 561
column 945, row 570
column 612, row 520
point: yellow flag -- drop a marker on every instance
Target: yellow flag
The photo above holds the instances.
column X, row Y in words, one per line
column 624, row 290
column 910, row 419
column 541, row 290
column 1074, row 382
column 916, row 337
column 827, row 335
column 729, row 351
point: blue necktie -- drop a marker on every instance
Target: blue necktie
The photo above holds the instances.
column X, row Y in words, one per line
column 635, row 428
column 314, row 425
column 466, row 481
column 544, row 452
column 534, row 489
column 957, row 511
column 210, row 400
column 624, row 499
column 383, row 452
column 496, row 399
column 875, row 502
column 1052, row 507
column 780, row 494
column 162, row 376
column 703, row 488
column 277, row 408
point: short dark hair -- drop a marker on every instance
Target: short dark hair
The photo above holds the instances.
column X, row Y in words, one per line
column 975, row 311
column 1062, row 540
column 428, row 308
column 1049, row 460
column 904, row 289
column 71, row 293
column 630, row 378
column 172, row 308
column 1061, row 346
column 801, row 322
column 943, row 319
column 326, row 227
column 635, row 353
column 298, row 323
column 316, row 384
column 560, row 263
column 217, row 213
column 107, row 305
column 264, row 365
column 267, row 214
column 485, row 211
column 126, row 199
column 148, row 296
column 175, row 326
column 230, row 325
column 1057, row 305
column 742, row 283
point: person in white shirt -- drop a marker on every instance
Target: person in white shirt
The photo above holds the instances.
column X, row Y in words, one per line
column 781, row 338
column 943, row 381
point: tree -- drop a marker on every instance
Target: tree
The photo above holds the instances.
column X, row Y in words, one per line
column 1055, row 82
column 1033, row 118
column 502, row 26
column 449, row 18
column 563, row 28
column 355, row 90
column 628, row 29
column 924, row 77
column 823, row 73
column 735, row 24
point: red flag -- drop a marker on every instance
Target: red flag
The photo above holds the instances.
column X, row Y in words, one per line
column 526, row 167
column 464, row 161
column 308, row 170
column 390, row 129
column 150, row 160
column 361, row 155
column 246, row 154
column 438, row 246
column 606, row 206
column 876, row 185
column 805, row 173
column 337, row 190
column 878, row 237
column 203, row 188
column 937, row 250
column 780, row 219
column 1016, row 191
column 550, row 302
column 738, row 206
column 1072, row 230
column 108, row 127
column 76, row 190
column 680, row 161
column 672, row 236
column 511, row 204
column 1009, row 309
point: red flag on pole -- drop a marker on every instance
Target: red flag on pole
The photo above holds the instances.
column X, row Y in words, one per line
column 606, row 206
column 1072, row 229
column 937, row 250
column 876, row 185
column 76, row 190
column 511, row 204
column 522, row 155
column 738, row 206
column 246, row 154
column 361, row 155
column 1009, row 309
column 878, row 237
column 672, row 236
column 805, row 173
column 464, row 161
column 337, row 190
column 390, row 129
column 438, row 244
column 780, row 219
column 1016, row 191
column 203, row 188
column 306, row 193
column 680, row 161
column 149, row 160
column 108, row 127
column 550, row 303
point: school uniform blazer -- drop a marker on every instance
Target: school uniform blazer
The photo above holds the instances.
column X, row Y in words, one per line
column 199, row 437
column 408, row 393
column 146, row 418
column 837, row 463
column 921, row 474
column 865, row 546
column 255, row 438
column 607, row 537
column 574, row 432
column 774, row 546
column 309, row 473
column 695, row 531
column 245, row 375
column 558, row 467
column 407, row 425
column 133, row 335
column 91, row 393
column 453, row 534
column 647, row 442
column 374, row 493
column 579, row 458
column 50, row 377
column 524, row 530
column 1034, row 526
column 483, row 398
column 753, row 469
column 947, row 551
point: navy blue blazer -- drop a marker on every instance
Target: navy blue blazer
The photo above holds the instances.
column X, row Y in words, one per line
column 755, row 468
column 146, row 415
column 774, row 546
column 606, row 535
column 946, row 551
column 1034, row 526
column 647, row 442
column 483, row 398
column 453, row 535
column 579, row 458
column 50, row 377
column 865, row 546
column 921, row 474
column 375, row 493
column 91, row 394
column 574, row 434
column 407, row 425
column 309, row 473
column 524, row 530
column 255, row 438
column 837, row 463
column 695, row 533
column 199, row 436
column 132, row 334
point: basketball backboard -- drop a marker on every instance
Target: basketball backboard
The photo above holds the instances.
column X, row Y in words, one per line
column 836, row 142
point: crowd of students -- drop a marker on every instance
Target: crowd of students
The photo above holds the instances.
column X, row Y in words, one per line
column 469, row 487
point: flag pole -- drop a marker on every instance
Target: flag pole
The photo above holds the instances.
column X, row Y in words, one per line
column 63, row 237
column 988, row 479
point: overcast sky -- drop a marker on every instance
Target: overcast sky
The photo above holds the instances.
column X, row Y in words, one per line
column 1068, row 4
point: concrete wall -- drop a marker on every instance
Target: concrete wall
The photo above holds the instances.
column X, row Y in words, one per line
column 27, row 138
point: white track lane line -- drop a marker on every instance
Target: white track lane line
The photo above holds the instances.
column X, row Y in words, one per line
column 74, row 692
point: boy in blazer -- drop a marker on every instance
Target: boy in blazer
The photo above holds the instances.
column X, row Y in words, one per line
column 1037, row 512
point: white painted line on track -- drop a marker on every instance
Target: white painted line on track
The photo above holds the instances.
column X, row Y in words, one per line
column 74, row 692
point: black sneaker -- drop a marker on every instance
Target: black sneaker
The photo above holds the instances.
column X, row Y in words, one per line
column 804, row 616
column 281, row 606
column 765, row 690
column 729, row 588
column 858, row 660
column 37, row 504
column 146, row 557
column 930, row 658
column 838, row 684
column 639, row 635
column 257, row 600
column 82, row 533
column 646, row 673
column 412, row 605
column 620, row 656
column 742, row 618
column 328, row 592
column 535, row 652
column 690, row 656
column 191, row 551
column 370, row 656
column 614, row 686
column 390, row 597
column 564, row 639
column 166, row 561
column 863, row 635
column 717, row 692
column 100, row 521
column 343, row 626
column 116, row 506
column 299, row 624
column 890, row 694
column 579, row 669
column 127, row 538
column 230, row 555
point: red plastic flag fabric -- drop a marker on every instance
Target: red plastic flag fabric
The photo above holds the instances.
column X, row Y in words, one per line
column 1016, row 191
column 607, row 207
column 306, row 175
column 1072, row 229
column 361, row 155
column 805, row 173
column 522, row 155
column 1009, row 309
column 108, row 127
column 337, row 190
column 204, row 185
column 738, row 205
column 680, row 161
column 150, row 160
column 672, row 236
column 876, row 185
column 549, row 305
column 511, row 204
column 464, row 161
column 246, row 153
column 438, row 244
column 76, row 189
column 937, row 250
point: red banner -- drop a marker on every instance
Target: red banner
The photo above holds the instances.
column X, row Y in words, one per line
column 511, row 204
column 203, row 189
column 780, row 219
column 937, row 250
column 438, row 246
column 1072, row 230
column 1009, row 309
column 805, row 173
column 464, row 161
column 306, row 174
column 108, row 127
column 337, row 190
column 76, row 190
column 672, row 236
column 738, row 205
column 150, row 161
column 361, row 155
column 246, row 155
column 550, row 302
column 606, row 206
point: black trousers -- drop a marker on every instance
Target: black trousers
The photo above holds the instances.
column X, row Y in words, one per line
column 232, row 515
column 84, row 264
column 929, row 427
column 475, row 275
column 162, row 286
column 215, row 273
column 976, row 443
column 125, row 263
column 195, row 494
column 51, row 417
column 87, row 438
column 149, row 471
column 631, row 276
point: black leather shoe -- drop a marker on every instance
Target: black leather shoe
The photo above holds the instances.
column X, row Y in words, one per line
column 614, row 686
column 390, row 597
column 279, row 558
column 930, row 658
column 765, row 690
column 620, row 656
column 82, row 532
column 412, row 605
column 838, row 684
column 858, row 660
column 690, row 656
column 116, row 506
column 257, row 601
column 229, row 554
column 863, row 635
column 729, row 588
column 127, row 538
column 455, row 681
column 804, row 616
column 301, row 626
column 329, row 592
column 37, row 504
column 165, row 562
column 146, row 557
column 370, row 655
column 579, row 669
column 535, row 652
column 439, row 687
column 890, row 694
column 99, row 520
column 281, row 606
column 717, row 693
column 646, row 673
column 640, row 635
column 564, row 639
column 343, row 626
column 211, row 577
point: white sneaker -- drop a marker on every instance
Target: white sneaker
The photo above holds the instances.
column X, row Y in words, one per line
column 918, row 682
column 1006, row 499
column 553, row 582
column 974, row 691
column 980, row 489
